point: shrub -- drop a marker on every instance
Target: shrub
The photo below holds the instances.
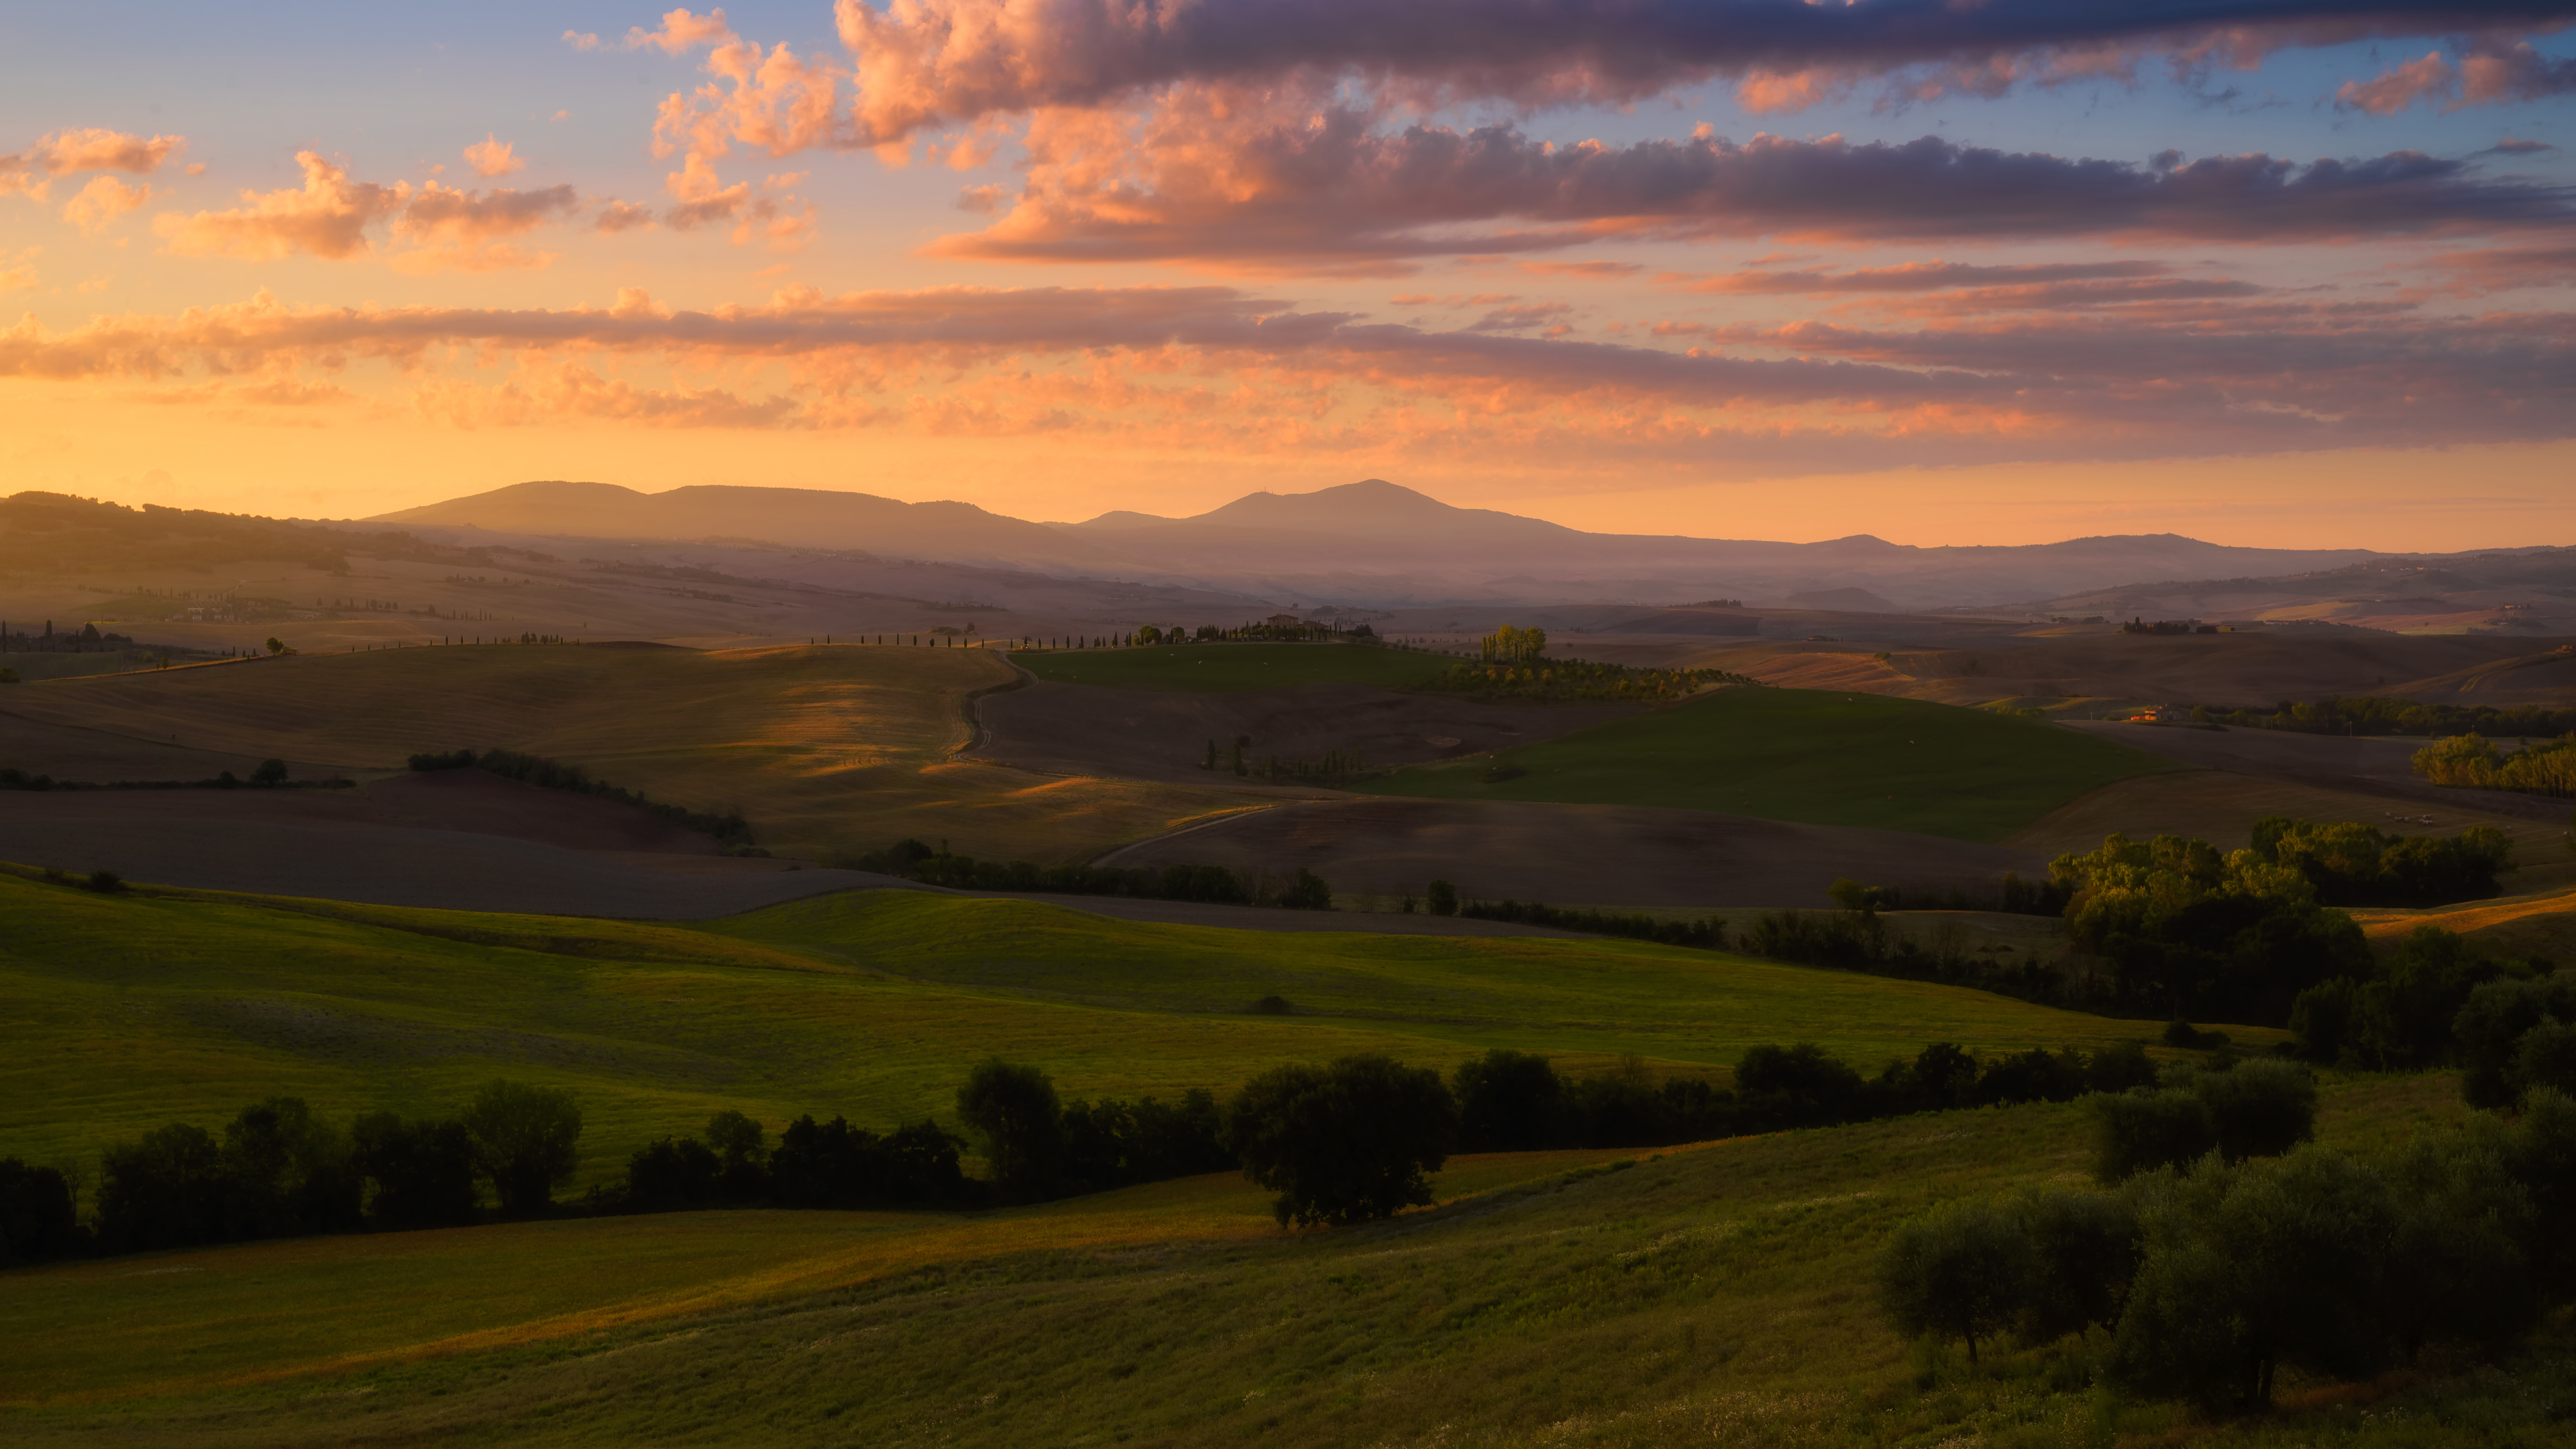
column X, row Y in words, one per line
column 1014, row 1108
column 1800, row 1086
column 671, row 1173
column 836, row 1165
column 1114, row 1143
column 2141, row 1129
column 165, row 1189
column 525, row 1140
column 1508, row 1101
column 105, row 882
column 2488, row 1030
column 1959, row 1271
column 2119, row 1067
column 2037, row 1075
column 1308, row 892
column 1343, row 1143
column 1272, row 1006
column 2258, row 1109
column 2083, row 1254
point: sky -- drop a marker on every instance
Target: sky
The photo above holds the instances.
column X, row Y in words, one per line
column 2289, row 273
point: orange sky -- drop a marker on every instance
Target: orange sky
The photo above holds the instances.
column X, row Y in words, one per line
column 2034, row 283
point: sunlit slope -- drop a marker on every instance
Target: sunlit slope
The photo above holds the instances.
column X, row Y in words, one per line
column 821, row 748
column 1819, row 757
column 128, row 1011
column 1716, row 1294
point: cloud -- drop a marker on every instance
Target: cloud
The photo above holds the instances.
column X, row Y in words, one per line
column 2515, row 146
column 1216, row 366
column 326, row 217
column 1521, row 316
column 18, row 274
column 923, row 64
column 491, row 157
column 1207, row 180
column 1909, row 277
column 101, row 202
column 617, row 216
column 94, row 149
column 2393, row 91
column 2505, row 269
column 465, row 230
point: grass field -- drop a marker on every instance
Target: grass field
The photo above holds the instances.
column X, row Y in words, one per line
column 130, row 1011
column 1818, row 757
column 1710, row 1295
column 1230, row 668
column 820, row 748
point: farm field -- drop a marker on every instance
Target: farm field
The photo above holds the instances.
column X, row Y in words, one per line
column 1230, row 668
column 1711, row 1293
column 1818, row 757
column 822, row 748
column 187, row 1005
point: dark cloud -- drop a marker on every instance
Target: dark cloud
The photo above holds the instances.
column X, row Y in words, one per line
column 934, row 62
column 1331, row 194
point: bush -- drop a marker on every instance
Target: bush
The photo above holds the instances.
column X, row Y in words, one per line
column 672, row 1173
column 2254, row 1109
column 1960, row 1271
column 36, row 1217
column 165, row 1189
column 2258, row 1109
column 1116, row 1144
column 1014, row 1108
column 1346, row 1142
column 526, row 1140
column 2084, row 1252
column 836, row 1165
column 1799, row 1086
column 1308, row 892
column 2488, row 1030
column 423, row 1172
column 2139, row 1130
column 1508, row 1101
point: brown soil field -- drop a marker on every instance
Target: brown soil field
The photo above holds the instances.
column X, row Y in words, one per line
column 73, row 752
column 1592, row 855
column 1163, row 735
column 823, row 749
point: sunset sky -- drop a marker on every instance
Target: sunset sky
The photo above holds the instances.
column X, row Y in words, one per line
column 1947, row 271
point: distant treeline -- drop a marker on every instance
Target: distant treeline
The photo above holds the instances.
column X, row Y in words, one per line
column 2381, row 715
column 728, row 827
column 85, row 640
column 913, row 860
column 1569, row 681
column 270, row 775
column 2544, row 767
column 1340, row 1143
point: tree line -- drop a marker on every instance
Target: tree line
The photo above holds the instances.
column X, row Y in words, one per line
column 2205, row 1275
column 267, row 775
column 911, row 859
column 2472, row 762
column 2379, row 715
column 1339, row 1142
column 1570, row 681
column 727, row 826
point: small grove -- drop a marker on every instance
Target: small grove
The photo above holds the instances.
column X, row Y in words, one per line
column 1340, row 1142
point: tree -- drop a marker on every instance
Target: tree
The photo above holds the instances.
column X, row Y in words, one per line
column 1307, row 892
column 736, row 1140
column 1800, row 1086
column 525, row 1140
column 2258, row 1109
column 270, row 773
column 2084, row 1252
column 276, row 645
column 1014, row 1108
column 1442, row 897
column 672, row 1173
column 165, row 1189
column 1958, row 1271
column 291, row 1172
column 1508, row 1101
column 423, row 1172
column 2138, row 1130
column 36, row 1217
column 1343, row 1143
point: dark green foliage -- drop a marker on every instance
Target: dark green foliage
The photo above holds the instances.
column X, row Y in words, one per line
column 36, row 1215
column 165, row 1189
column 1307, row 892
column 670, row 1174
column 2253, row 1109
column 423, row 1172
column 836, row 1165
column 1272, row 1006
column 742, row 1168
column 2084, row 1253
column 1014, row 1108
column 2489, row 1029
column 1707, row 935
column 269, row 774
column 1960, row 1271
column 2375, row 715
column 2459, row 1264
column 2120, row 1067
column 1508, row 1101
column 1441, row 897
column 1562, row 681
column 536, row 770
column 526, row 1140
column 290, row 1173
column 105, row 882
column 1343, row 1143
column 915, row 861
column 1800, row 1086
column 2037, row 1075
column 1117, row 1144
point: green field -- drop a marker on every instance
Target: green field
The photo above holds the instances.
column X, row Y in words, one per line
column 1806, row 755
column 130, row 1011
column 1710, row 1295
column 1231, row 668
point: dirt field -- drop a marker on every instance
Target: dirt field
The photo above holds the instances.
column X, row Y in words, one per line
column 1158, row 735
column 1595, row 855
column 822, row 749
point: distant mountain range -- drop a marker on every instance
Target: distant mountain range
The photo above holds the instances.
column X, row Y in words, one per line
column 1374, row 543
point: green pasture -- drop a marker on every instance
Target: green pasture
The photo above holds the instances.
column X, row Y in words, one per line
column 1231, row 668
column 128, row 1011
column 1715, row 1294
column 1814, row 756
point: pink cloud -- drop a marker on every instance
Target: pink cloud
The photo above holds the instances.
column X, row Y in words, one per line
column 490, row 157
column 101, row 202
column 2392, row 91
column 327, row 216
column 95, row 149
column 467, row 231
